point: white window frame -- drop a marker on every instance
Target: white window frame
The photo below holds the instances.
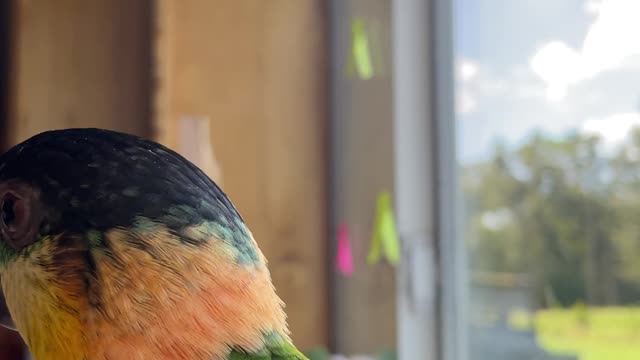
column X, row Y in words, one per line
column 432, row 287
column 431, row 277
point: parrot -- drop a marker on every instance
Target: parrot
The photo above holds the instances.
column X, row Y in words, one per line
column 113, row 246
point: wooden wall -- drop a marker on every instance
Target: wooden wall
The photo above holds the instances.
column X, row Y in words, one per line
column 11, row 346
column 79, row 64
column 5, row 37
column 73, row 63
column 254, row 70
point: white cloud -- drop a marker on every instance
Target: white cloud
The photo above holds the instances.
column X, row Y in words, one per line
column 467, row 70
column 593, row 6
column 613, row 129
column 613, row 37
column 611, row 42
column 477, row 87
column 558, row 65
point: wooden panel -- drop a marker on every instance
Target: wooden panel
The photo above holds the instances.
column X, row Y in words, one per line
column 256, row 71
column 11, row 345
column 5, row 37
column 79, row 63
column 75, row 63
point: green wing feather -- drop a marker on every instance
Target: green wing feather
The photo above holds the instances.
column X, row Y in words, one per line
column 276, row 348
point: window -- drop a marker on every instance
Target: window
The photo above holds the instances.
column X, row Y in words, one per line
column 547, row 103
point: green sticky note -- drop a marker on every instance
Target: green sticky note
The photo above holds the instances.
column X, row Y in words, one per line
column 360, row 53
column 384, row 239
column 376, row 245
column 374, row 251
column 389, row 236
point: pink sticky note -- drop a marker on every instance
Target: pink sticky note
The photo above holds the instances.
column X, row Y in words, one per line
column 344, row 256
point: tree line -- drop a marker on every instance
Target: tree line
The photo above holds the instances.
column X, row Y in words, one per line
column 566, row 211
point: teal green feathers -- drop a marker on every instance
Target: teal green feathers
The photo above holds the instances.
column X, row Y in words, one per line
column 276, row 348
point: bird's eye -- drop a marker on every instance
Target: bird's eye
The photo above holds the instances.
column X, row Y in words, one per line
column 8, row 209
column 21, row 215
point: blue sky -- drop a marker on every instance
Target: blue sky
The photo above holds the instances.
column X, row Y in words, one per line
column 550, row 65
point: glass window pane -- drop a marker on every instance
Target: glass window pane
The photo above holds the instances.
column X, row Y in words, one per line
column 548, row 103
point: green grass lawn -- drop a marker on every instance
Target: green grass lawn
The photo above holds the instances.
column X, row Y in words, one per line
column 591, row 333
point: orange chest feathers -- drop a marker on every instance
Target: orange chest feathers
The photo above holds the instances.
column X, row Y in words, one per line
column 148, row 297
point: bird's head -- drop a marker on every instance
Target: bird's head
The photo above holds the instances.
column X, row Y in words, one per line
column 83, row 211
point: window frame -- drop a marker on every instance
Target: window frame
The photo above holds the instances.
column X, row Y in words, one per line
column 424, row 117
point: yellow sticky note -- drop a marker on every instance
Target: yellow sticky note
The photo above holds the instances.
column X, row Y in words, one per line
column 384, row 239
column 389, row 236
column 360, row 56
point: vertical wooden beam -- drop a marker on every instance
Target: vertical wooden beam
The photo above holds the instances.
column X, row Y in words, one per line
column 6, row 22
column 10, row 342
column 295, row 132
column 72, row 63
column 11, row 345
column 163, row 35
column 79, row 63
column 256, row 71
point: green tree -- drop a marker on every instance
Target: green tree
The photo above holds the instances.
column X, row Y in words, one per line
column 553, row 208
